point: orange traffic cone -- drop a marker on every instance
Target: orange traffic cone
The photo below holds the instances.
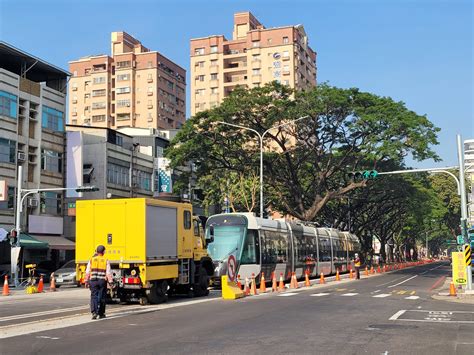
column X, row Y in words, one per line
column 274, row 282
column 372, row 271
column 253, row 286
column 263, row 287
column 281, row 285
column 247, row 287
column 378, row 269
column 295, row 281
column 351, row 275
column 40, row 284
column 6, row 290
column 452, row 289
column 306, row 279
column 338, row 278
column 239, row 285
column 52, row 284
column 366, row 271
column 321, row 279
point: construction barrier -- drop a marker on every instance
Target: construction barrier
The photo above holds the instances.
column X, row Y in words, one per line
column 230, row 290
column 6, row 289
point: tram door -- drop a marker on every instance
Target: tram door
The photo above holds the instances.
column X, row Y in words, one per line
column 325, row 252
column 276, row 251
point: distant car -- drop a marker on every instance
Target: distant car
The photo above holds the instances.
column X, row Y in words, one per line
column 66, row 274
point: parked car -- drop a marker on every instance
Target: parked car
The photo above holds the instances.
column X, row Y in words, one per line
column 66, row 274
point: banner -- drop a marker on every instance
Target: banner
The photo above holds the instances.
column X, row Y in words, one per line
column 164, row 175
column 459, row 268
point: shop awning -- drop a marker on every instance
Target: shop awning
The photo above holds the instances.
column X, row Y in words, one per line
column 29, row 242
column 56, row 242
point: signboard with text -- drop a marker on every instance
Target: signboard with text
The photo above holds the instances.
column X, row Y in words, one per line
column 3, row 191
column 459, row 268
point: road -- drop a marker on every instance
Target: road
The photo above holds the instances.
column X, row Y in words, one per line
column 392, row 313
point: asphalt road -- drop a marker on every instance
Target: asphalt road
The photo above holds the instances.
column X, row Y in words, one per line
column 391, row 313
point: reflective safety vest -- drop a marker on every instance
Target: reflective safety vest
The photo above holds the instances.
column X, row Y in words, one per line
column 98, row 268
column 357, row 262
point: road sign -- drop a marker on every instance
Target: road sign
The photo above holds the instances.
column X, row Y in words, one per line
column 460, row 239
column 467, row 254
column 231, row 267
column 459, row 268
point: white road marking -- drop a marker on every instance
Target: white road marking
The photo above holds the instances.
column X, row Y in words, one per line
column 382, row 295
column 411, row 278
column 389, row 282
column 287, row 294
column 398, row 314
column 319, row 294
column 350, row 294
column 376, row 291
column 46, row 337
column 412, row 297
column 44, row 313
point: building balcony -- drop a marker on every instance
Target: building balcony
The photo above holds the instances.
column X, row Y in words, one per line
column 235, row 54
column 235, row 80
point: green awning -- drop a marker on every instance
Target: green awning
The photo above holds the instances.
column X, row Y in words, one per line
column 28, row 242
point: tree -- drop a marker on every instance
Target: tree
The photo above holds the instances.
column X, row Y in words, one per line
column 305, row 164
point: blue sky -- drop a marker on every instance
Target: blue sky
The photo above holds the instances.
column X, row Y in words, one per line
column 419, row 52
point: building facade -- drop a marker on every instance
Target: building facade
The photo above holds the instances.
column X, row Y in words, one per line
column 469, row 172
column 256, row 55
column 32, row 118
column 134, row 87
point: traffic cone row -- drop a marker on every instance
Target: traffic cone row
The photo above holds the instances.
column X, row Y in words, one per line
column 6, row 289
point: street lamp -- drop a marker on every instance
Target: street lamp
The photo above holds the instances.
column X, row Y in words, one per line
column 261, row 136
column 20, row 197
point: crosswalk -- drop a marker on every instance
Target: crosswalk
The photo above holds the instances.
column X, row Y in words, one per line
column 406, row 294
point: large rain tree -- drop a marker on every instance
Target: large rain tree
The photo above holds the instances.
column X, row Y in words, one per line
column 305, row 163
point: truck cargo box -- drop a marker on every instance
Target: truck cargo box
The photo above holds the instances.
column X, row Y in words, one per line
column 134, row 230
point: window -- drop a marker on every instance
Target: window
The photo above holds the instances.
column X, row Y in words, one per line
column 285, row 40
column 214, row 63
column 256, row 58
column 274, row 247
column 53, row 119
column 8, row 205
column 118, row 174
column 199, row 51
column 213, row 76
column 187, row 220
column 123, row 103
column 50, row 203
column 98, row 118
column 256, row 72
column 200, row 77
column 123, row 64
column 98, row 105
column 200, row 92
column 51, row 161
column 250, row 249
column 150, row 117
column 123, row 77
column 143, row 180
column 99, row 80
column 214, row 91
column 8, row 105
column 286, row 54
column 200, row 64
column 123, row 116
column 123, row 90
column 7, row 150
column 256, row 44
column 286, row 68
column 97, row 93
column 213, row 49
column 150, row 77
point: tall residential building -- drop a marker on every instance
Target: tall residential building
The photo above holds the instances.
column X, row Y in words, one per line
column 256, row 55
column 469, row 172
column 134, row 87
column 32, row 107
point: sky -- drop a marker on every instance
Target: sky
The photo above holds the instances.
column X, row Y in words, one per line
column 419, row 52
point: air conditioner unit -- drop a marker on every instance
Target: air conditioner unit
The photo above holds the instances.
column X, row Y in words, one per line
column 21, row 156
column 32, row 202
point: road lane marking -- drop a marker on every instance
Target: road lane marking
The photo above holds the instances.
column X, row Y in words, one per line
column 411, row 278
column 412, row 292
column 341, row 289
column 320, row 294
column 44, row 313
column 401, row 292
column 396, row 315
column 412, row 297
column 350, row 294
column 382, row 295
column 386, row 283
column 444, row 317
column 376, row 291
column 288, row 294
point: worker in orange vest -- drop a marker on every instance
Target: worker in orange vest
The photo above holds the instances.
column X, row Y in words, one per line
column 98, row 274
column 357, row 265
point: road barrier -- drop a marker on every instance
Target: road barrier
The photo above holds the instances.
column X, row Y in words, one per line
column 230, row 290
column 6, row 290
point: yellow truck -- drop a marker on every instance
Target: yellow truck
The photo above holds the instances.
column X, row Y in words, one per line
column 155, row 247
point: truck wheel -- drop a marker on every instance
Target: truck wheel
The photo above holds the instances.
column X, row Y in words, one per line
column 157, row 293
column 200, row 288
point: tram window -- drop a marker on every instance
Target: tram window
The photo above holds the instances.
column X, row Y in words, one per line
column 274, row 247
column 324, row 249
column 250, row 250
column 305, row 249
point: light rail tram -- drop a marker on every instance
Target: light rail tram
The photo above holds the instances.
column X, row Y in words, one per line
column 254, row 245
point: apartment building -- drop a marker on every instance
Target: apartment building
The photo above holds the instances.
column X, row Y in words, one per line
column 134, row 87
column 32, row 109
column 256, row 55
column 469, row 172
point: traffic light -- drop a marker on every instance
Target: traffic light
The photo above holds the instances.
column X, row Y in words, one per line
column 363, row 175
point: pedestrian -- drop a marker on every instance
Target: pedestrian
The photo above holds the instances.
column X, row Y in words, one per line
column 98, row 274
column 357, row 265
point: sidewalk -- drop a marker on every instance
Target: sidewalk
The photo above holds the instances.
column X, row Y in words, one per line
column 59, row 293
column 461, row 297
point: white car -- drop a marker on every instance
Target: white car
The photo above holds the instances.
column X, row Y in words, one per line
column 66, row 274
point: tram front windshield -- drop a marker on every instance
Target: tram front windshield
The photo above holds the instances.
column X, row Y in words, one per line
column 228, row 235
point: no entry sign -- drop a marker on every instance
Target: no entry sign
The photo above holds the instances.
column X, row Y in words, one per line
column 231, row 268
